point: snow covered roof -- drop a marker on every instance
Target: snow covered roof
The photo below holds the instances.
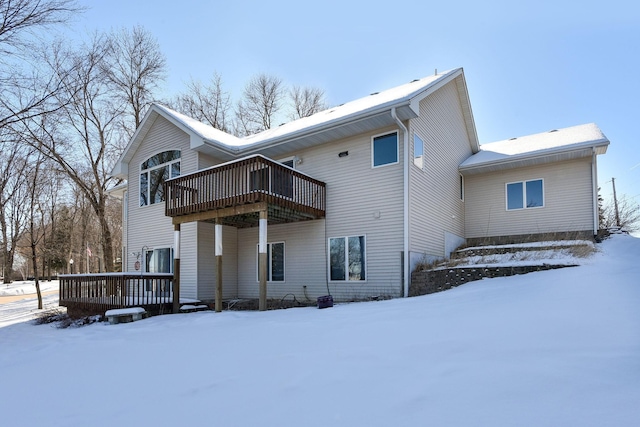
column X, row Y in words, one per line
column 554, row 145
column 204, row 130
column 205, row 138
column 375, row 101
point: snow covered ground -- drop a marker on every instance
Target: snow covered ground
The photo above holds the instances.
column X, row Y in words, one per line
column 554, row 348
column 22, row 287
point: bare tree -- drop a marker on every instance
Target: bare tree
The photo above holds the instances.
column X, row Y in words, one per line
column 134, row 67
column 85, row 137
column 628, row 213
column 27, row 93
column 78, row 139
column 262, row 99
column 35, row 187
column 306, row 101
column 207, row 103
column 13, row 164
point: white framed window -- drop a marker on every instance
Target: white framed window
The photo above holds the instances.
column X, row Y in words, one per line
column 275, row 262
column 525, row 194
column 154, row 172
column 347, row 259
column 384, row 149
column 418, row 151
column 158, row 260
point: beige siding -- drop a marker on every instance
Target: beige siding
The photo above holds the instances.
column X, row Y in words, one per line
column 148, row 226
column 362, row 200
column 206, row 161
column 207, row 262
column 305, row 263
column 188, row 260
column 568, row 201
column 435, row 207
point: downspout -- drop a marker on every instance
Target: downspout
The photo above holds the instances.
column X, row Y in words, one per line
column 405, row 137
column 594, row 177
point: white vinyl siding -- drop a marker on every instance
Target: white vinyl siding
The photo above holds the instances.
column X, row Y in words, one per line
column 568, row 201
column 362, row 200
column 436, row 209
column 207, row 266
column 305, row 267
column 148, row 225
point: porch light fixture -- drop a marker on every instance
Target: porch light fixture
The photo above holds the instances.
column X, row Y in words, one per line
column 343, row 154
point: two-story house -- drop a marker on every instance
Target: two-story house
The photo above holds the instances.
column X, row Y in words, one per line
column 347, row 200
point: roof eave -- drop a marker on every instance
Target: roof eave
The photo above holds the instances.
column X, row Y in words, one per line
column 546, row 156
column 412, row 101
column 463, row 93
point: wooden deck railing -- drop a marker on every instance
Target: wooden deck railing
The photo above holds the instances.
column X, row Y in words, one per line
column 250, row 180
column 97, row 293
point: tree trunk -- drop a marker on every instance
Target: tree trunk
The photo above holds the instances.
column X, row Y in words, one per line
column 34, row 261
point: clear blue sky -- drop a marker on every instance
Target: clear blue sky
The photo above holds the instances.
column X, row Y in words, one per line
column 529, row 67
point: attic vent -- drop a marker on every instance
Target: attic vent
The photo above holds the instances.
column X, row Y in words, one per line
column 414, row 80
column 511, row 139
column 340, row 105
column 553, row 130
column 375, row 93
column 282, row 124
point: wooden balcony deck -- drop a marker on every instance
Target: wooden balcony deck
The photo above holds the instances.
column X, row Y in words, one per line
column 235, row 192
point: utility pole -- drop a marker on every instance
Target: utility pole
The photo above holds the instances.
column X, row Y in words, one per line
column 615, row 202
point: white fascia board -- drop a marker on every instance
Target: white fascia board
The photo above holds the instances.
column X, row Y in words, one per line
column 601, row 144
column 415, row 101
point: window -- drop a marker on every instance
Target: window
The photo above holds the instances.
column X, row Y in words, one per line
column 385, row 149
column 418, row 151
column 158, row 260
column 154, row 172
column 275, row 262
column 347, row 259
column 461, row 187
column 525, row 194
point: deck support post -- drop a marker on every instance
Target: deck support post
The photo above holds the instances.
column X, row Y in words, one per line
column 218, row 253
column 262, row 260
column 176, row 269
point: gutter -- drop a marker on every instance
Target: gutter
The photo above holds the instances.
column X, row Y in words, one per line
column 405, row 137
column 510, row 158
column 594, row 177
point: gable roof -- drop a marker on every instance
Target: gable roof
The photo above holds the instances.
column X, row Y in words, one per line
column 362, row 115
column 552, row 146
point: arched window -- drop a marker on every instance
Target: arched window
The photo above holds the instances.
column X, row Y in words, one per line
column 154, row 172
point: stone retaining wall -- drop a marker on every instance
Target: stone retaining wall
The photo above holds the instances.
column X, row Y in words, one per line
column 430, row 281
